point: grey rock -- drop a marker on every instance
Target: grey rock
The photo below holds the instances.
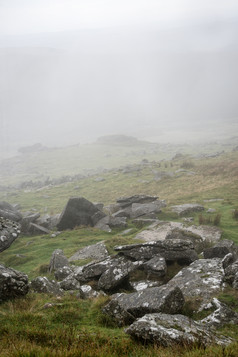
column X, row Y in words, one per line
column 9, row 232
column 46, row 286
column 117, row 274
column 170, row 249
column 235, row 281
column 125, row 308
column 145, row 284
column 123, row 213
column 220, row 250
column 77, row 212
column 128, row 201
column 230, row 272
column 187, row 208
column 62, row 273
column 203, row 279
column 211, row 210
column 37, row 229
column 7, row 211
column 95, row 270
column 228, row 260
column 112, row 222
column 58, row 260
column 97, row 217
column 12, row 283
column 168, row 330
column 28, row 217
column 70, row 283
column 88, row 292
column 221, row 316
column 155, row 266
column 142, row 209
column 96, row 251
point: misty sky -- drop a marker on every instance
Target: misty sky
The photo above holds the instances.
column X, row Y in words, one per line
column 73, row 70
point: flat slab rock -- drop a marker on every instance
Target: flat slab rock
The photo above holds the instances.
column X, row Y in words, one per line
column 170, row 249
column 125, row 308
column 164, row 229
column 187, row 208
column 96, row 251
column 203, row 278
column 12, row 283
column 168, row 330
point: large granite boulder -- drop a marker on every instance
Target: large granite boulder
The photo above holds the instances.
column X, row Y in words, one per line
column 187, row 208
column 12, row 283
column 125, row 308
column 70, row 283
column 144, row 209
column 58, row 260
column 46, row 286
column 96, row 251
column 111, row 222
column 168, row 330
column 223, row 315
column 77, row 212
column 28, row 218
column 9, row 231
column 8, row 211
column 62, row 273
column 156, row 266
column 202, row 279
column 171, row 250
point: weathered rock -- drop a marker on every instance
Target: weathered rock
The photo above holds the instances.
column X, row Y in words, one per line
column 220, row 250
column 7, row 211
column 230, row 272
column 203, row 278
column 88, row 292
column 221, row 316
column 37, row 229
column 228, row 260
column 187, row 208
column 62, row 273
column 70, row 283
column 145, row 284
column 48, row 222
column 128, row 201
column 140, row 222
column 9, row 231
column 235, row 281
column 28, row 217
column 46, row 286
column 58, row 260
column 94, row 270
column 77, row 212
column 12, row 283
column 96, row 251
column 97, row 217
column 112, row 222
column 171, row 249
column 117, row 274
column 143, row 209
column 123, row 213
column 125, row 308
column 168, row 330
column 156, row 266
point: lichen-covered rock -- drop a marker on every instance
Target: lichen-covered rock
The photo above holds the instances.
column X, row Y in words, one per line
column 168, row 330
column 62, row 273
column 203, row 278
column 125, row 308
column 143, row 209
column 117, row 274
column 170, row 249
column 44, row 285
column 156, row 266
column 87, row 292
column 8, row 211
column 9, row 231
column 221, row 316
column 145, row 284
column 58, row 260
column 230, row 272
column 70, row 283
column 96, row 251
column 12, row 283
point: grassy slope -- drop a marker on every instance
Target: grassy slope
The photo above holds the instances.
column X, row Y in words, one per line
column 74, row 327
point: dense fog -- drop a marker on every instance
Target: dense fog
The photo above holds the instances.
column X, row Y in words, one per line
column 162, row 76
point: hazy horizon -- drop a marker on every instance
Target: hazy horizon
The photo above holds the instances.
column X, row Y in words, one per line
column 73, row 71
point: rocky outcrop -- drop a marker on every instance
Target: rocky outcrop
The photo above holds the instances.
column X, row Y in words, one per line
column 77, row 212
column 12, row 283
column 168, row 330
column 125, row 308
column 220, row 250
column 9, row 231
column 170, row 249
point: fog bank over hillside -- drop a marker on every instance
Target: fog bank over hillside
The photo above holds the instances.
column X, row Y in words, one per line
column 173, row 81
